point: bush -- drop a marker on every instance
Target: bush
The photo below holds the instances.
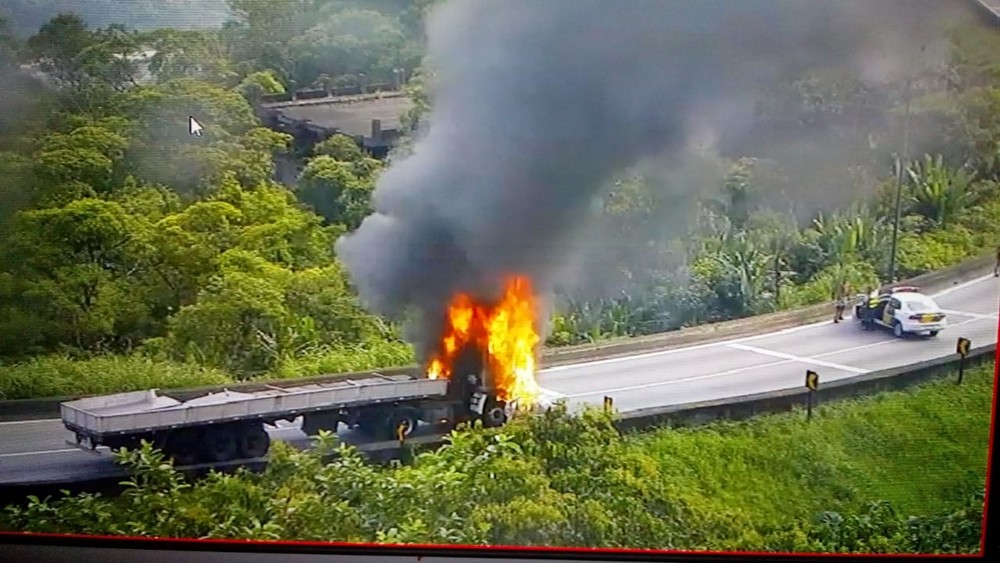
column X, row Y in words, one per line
column 820, row 289
column 935, row 250
column 54, row 376
column 331, row 360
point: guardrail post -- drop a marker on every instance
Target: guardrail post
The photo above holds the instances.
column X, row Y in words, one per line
column 962, row 347
column 812, row 383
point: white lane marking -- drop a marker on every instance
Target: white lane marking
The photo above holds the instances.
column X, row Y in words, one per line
column 968, row 314
column 13, row 422
column 676, row 381
column 804, row 360
column 20, row 454
column 963, row 285
column 782, row 332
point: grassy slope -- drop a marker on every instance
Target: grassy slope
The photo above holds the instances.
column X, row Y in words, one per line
column 923, row 450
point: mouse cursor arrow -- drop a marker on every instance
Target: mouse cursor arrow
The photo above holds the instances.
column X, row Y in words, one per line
column 194, row 128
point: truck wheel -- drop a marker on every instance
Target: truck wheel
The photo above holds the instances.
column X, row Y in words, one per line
column 493, row 414
column 399, row 417
column 254, row 442
column 897, row 329
column 183, row 447
column 314, row 422
column 221, row 444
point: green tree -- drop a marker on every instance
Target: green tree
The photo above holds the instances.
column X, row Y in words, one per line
column 87, row 65
column 359, row 46
column 162, row 152
column 258, row 84
column 87, row 160
column 76, row 271
column 198, row 54
column 338, row 191
column 264, row 31
column 339, row 147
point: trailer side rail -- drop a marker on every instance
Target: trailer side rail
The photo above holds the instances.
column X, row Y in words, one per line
column 264, row 404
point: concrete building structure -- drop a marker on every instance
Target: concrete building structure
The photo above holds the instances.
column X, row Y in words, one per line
column 372, row 120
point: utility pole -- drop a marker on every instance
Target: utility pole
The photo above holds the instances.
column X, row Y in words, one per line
column 899, row 186
column 899, row 174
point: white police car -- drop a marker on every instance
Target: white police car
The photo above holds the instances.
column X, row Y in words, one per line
column 905, row 310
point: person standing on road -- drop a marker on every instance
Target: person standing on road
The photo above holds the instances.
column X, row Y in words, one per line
column 996, row 268
column 841, row 296
column 870, row 307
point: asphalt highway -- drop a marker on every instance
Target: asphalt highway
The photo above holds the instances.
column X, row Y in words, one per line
column 36, row 451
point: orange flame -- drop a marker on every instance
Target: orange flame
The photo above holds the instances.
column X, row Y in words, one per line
column 505, row 332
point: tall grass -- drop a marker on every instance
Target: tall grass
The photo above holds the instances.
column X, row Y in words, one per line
column 330, row 360
column 923, row 450
column 52, row 376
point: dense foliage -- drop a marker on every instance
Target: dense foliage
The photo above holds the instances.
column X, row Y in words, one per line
column 774, row 483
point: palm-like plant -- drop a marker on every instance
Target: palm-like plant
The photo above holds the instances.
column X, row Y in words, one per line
column 746, row 267
column 856, row 234
column 937, row 192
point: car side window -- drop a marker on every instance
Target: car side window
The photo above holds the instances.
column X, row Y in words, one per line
column 895, row 304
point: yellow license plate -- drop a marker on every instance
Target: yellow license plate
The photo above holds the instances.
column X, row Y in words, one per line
column 927, row 318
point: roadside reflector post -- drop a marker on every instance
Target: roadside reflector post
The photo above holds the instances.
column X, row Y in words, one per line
column 963, row 347
column 812, row 384
column 608, row 402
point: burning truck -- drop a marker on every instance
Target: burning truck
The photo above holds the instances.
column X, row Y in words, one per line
column 484, row 369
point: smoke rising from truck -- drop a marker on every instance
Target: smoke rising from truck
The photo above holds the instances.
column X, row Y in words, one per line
column 537, row 103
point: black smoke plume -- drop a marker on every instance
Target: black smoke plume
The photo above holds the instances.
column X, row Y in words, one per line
column 537, row 103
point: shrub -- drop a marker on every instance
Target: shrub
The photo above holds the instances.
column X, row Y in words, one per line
column 53, row 376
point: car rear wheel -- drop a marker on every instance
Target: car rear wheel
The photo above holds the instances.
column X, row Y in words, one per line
column 897, row 329
column 934, row 333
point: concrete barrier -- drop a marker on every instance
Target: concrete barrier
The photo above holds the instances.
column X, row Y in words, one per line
column 48, row 407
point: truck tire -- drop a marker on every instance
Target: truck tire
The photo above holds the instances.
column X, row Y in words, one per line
column 254, row 441
column 493, row 414
column 406, row 417
column 897, row 329
column 314, row 422
column 221, row 444
column 183, row 447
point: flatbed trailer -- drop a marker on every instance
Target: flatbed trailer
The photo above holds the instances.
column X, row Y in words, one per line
column 226, row 426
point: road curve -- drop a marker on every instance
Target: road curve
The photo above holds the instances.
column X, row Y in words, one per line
column 35, row 451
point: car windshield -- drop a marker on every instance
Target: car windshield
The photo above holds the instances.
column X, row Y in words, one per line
column 921, row 304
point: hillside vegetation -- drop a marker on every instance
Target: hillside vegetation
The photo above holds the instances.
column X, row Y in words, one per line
column 901, row 472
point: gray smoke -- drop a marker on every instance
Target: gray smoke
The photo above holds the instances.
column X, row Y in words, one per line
column 538, row 103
